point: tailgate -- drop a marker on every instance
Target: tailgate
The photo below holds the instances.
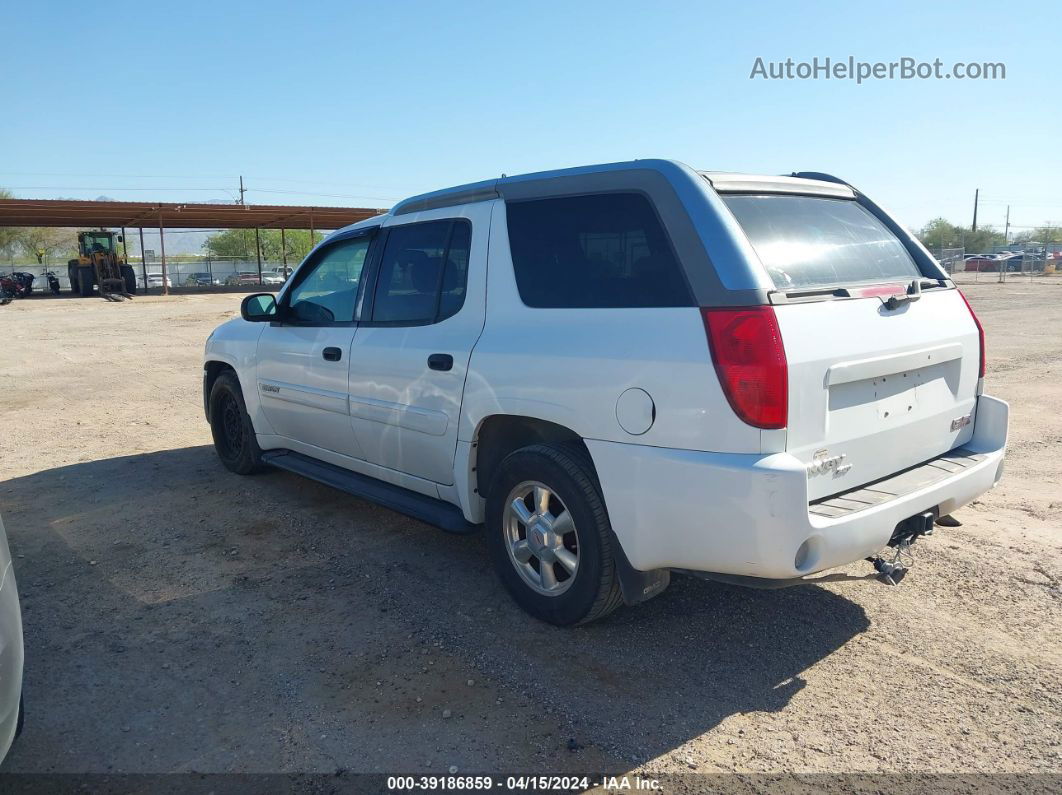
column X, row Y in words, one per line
column 874, row 391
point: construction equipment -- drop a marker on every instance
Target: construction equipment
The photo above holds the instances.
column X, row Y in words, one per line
column 98, row 264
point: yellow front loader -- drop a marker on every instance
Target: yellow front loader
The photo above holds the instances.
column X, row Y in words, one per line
column 98, row 263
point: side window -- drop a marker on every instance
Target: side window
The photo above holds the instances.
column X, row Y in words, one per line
column 455, row 271
column 423, row 272
column 327, row 294
column 604, row 250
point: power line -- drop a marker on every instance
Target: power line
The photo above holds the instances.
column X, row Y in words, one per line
column 95, row 188
column 195, row 176
column 329, row 195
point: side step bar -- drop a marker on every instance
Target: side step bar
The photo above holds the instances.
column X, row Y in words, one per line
column 428, row 509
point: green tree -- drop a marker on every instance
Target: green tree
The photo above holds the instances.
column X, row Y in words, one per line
column 49, row 244
column 940, row 233
column 240, row 243
column 8, row 234
column 1049, row 233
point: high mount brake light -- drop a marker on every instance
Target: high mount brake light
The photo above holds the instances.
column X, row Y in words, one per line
column 749, row 357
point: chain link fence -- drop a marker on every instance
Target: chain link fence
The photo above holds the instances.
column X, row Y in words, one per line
column 204, row 274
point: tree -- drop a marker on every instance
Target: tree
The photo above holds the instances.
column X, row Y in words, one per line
column 940, row 233
column 8, row 234
column 1049, row 233
column 240, row 244
column 47, row 242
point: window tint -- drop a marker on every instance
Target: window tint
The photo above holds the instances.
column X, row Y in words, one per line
column 329, row 291
column 805, row 241
column 423, row 272
column 455, row 272
column 607, row 250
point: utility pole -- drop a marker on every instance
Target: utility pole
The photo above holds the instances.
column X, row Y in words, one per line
column 973, row 228
column 243, row 191
column 1006, row 229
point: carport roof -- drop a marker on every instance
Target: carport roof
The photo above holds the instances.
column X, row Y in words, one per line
column 172, row 215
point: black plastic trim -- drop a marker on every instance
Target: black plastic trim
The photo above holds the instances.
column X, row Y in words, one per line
column 436, row 512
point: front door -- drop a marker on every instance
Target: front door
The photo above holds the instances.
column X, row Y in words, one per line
column 303, row 358
column 409, row 359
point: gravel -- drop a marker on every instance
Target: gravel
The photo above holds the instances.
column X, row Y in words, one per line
column 178, row 617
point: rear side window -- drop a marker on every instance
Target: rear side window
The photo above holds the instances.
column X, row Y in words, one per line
column 605, row 250
column 423, row 272
column 807, row 242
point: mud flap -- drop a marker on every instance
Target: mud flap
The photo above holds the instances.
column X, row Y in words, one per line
column 636, row 585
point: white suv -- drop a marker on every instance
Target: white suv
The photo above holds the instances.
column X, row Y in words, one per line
column 623, row 370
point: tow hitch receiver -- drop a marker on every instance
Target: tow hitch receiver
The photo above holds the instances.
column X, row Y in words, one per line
column 903, row 537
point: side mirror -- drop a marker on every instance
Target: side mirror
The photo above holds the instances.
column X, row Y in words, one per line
column 259, row 308
column 121, row 239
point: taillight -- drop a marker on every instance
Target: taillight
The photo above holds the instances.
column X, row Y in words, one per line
column 749, row 357
column 980, row 336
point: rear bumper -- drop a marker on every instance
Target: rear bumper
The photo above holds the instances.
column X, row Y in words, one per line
column 749, row 515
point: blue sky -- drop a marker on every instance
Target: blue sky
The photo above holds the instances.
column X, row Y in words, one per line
column 365, row 103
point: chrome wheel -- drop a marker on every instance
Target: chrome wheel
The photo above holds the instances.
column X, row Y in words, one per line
column 541, row 538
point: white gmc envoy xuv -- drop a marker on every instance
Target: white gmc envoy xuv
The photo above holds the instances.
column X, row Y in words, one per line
column 623, row 370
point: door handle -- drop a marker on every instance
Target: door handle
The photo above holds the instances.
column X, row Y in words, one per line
column 332, row 354
column 441, row 361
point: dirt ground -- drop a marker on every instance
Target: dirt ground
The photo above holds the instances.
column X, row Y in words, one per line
column 181, row 618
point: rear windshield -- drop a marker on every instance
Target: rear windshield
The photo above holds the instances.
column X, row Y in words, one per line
column 807, row 242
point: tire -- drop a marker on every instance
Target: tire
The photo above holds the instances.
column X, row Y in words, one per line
column 234, row 439
column 129, row 275
column 565, row 472
column 84, row 282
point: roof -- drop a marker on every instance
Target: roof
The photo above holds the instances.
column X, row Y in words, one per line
column 170, row 215
column 544, row 182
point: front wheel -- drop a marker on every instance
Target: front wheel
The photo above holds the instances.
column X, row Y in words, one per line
column 550, row 537
column 129, row 277
column 84, row 282
column 230, row 425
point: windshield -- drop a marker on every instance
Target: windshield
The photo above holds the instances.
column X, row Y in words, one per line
column 97, row 243
column 808, row 242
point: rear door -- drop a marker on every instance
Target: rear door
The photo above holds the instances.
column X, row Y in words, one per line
column 422, row 317
column 873, row 389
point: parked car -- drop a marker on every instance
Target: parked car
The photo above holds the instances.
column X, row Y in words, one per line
column 11, row 650
column 751, row 378
column 1012, row 263
column 201, row 280
column 982, row 263
column 156, row 280
column 244, row 278
column 272, row 278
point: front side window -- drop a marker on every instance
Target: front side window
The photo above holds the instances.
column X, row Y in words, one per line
column 603, row 250
column 328, row 293
column 809, row 242
column 423, row 272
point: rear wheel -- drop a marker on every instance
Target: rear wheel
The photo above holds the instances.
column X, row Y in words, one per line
column 231, row 427
column 129, row 276
column 550, row 537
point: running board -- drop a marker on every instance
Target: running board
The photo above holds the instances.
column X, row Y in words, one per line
column 427, row 509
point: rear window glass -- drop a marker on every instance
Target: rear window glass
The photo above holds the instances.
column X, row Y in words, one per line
column 805, row 241
column 604, row 250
